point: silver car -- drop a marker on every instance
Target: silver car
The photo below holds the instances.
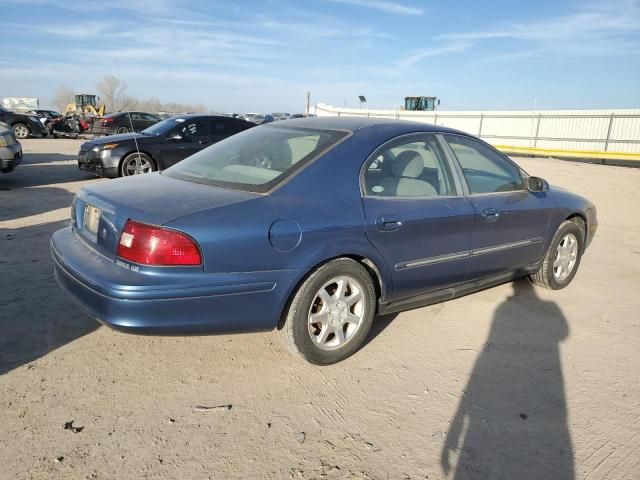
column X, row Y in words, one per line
column 10, row 149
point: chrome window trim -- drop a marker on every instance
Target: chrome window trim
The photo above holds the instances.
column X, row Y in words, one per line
column 424, row 262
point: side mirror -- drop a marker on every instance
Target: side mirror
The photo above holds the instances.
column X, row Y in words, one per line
column 537, row 184
column 175, row 137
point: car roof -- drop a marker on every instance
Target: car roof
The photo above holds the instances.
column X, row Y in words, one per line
column 361, row 123
column 207, row 115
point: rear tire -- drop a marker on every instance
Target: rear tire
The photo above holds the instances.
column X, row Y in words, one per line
column 561, row 262
column 20, row 130
column 122, row 130
column 331, row 313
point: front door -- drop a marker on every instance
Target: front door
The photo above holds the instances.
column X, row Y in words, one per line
column 414, row 216
column 511, row 222
column 194, row 135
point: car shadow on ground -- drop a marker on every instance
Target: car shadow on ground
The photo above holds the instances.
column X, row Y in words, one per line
column 38, row 169
column 36, row 318
column 512, row 419
column 21, row 203
column 380, row 323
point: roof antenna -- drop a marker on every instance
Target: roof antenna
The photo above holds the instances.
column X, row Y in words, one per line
column 135, row 139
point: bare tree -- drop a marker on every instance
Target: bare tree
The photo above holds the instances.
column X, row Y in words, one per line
column 62, row 97
column 112, row 90
column 113, row 94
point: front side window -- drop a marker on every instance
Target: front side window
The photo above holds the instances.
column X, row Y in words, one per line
column 163, row 127
column 410, row 166
column 194, row 128
column 485, row 170
column 256, row 159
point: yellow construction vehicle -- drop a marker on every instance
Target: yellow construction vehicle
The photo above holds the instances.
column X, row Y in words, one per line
column 86, row 104
column 421, row 104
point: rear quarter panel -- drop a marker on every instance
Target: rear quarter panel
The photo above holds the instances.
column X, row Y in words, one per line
column 323, row 199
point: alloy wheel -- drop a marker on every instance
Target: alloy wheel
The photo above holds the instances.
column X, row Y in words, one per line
column 336, row 313
column 21, row 131
column 566, row 257
column 136, row 165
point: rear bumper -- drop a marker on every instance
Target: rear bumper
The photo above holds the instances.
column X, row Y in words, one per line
column 148, row 304
column 10, row 157
column 102, row 130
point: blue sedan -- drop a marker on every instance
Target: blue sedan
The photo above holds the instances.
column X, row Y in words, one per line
column 314, row 226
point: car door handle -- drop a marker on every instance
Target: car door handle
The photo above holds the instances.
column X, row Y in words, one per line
column 388, row 224
column 202, row 142
column 490, row 214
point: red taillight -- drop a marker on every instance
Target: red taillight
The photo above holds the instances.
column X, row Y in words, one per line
column 106, row 120
column 151, row 245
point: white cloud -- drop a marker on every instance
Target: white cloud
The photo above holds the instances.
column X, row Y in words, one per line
column 598, row 29
column 384, row 6
column 418, row 55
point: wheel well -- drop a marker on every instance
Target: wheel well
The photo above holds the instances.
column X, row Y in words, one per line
column 368, row 265
column 579, row 220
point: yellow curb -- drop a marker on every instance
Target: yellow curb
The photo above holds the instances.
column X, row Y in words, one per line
column 571, row 153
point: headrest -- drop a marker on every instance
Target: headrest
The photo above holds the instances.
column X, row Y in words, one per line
column 281, row 155
column 408, row 164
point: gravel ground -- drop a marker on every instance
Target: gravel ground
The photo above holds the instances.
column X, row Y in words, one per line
column 512, row 382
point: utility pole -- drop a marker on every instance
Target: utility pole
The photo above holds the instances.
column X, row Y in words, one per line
column 308, row 102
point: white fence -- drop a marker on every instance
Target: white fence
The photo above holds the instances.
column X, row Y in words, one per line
column 611, row 131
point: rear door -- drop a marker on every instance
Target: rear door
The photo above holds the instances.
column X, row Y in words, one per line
column 511, row 222
column 415, row 215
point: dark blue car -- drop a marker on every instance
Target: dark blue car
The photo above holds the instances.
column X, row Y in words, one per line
column 314, row 226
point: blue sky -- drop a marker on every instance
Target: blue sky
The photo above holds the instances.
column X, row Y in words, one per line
column 264, row 55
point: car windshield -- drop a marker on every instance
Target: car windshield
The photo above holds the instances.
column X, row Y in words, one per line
column 256, row 159
column 162, row 127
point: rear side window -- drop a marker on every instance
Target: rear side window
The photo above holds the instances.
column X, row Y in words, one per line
column 256, row 159
column 410, row 166
column 485, row 170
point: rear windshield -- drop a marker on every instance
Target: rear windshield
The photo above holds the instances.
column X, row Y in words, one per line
column 256, row 159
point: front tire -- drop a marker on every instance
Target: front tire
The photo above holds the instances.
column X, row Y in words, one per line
column 21, row 131
column 136, row 164
column 561, row 262
column 331, row 313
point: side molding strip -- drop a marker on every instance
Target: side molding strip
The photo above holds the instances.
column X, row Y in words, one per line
column 505, row 246
column 433, row 260
column 423, row 262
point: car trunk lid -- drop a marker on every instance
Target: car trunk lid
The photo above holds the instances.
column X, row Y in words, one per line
column 100, row 211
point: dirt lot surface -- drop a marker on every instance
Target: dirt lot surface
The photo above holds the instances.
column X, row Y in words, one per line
column 513, row 382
